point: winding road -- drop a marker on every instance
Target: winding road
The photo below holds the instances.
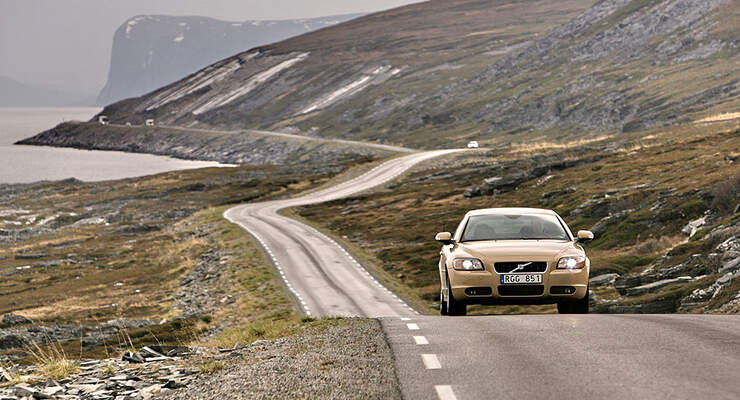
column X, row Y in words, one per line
column 324, row 278
column 498, row 357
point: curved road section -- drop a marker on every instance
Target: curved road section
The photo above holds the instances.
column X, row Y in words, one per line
column 324, row 278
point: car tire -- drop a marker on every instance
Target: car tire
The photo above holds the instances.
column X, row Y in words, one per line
column 575, row 307
column 564, row 307
column 453, row 306
column 442, row 301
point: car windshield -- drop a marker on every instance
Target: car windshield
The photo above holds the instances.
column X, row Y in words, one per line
column 513, row 227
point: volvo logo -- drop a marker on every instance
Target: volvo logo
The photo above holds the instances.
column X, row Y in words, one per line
column 520, row 267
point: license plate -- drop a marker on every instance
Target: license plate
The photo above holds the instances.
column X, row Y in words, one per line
column 521, row 278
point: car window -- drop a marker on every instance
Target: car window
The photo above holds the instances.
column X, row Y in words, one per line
column 510, row 227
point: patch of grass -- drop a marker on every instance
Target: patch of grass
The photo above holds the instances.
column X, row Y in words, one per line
column 266, row 329
column 210, row 366
column 109, row 369
column 52, row 361
column 251, row 331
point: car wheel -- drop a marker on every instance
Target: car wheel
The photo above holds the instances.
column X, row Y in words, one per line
column 575, row 307
column 454, row 307
column 564, row 307
column 442, row 301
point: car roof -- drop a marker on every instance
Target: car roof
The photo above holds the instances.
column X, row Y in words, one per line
column 510, row 210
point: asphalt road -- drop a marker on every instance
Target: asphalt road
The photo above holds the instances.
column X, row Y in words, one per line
column 567, row 356
column 323, row 277
column 499, row 357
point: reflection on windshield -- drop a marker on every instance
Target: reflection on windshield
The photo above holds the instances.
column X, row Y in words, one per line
column 512, row 227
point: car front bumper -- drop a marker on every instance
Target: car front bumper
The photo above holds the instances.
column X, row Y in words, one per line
column 484, row 287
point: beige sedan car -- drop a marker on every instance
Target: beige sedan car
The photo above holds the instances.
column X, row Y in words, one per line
column 513, row 256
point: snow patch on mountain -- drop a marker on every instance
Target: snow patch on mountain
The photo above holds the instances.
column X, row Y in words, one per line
column 377, row 75
column 249, row 85
column 200, row 80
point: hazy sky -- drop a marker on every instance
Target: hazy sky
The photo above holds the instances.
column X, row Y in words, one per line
column 67, row 43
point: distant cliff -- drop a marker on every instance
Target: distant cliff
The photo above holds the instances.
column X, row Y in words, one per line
column 152, row 51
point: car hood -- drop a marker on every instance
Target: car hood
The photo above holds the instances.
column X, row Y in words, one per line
column 518, row 250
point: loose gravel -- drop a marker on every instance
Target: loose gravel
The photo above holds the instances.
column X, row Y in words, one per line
column 348, row 359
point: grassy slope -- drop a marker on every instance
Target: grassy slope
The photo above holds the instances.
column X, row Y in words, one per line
column 396, row 225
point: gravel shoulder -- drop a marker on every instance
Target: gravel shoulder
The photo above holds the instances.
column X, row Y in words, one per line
column 345, row 359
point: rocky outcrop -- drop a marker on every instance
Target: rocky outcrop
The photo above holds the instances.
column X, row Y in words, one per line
column 720, row 267
column 514, row 173
column 10, row 320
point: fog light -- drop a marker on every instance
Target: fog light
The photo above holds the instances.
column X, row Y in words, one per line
column 562, row 290
column 478, row 291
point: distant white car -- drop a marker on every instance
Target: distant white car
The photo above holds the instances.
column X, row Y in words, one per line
column 473, row 144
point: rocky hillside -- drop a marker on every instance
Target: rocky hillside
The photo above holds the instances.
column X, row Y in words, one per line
column 437, row 72
column 150, row 51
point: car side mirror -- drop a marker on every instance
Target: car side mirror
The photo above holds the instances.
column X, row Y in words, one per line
column 584, row 236
column 444, row 238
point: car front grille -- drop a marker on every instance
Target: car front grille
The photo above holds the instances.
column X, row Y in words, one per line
column 527, row 266
column 520, row 290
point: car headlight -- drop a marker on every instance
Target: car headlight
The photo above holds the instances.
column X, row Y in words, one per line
column 572, row 262
column 468, row 264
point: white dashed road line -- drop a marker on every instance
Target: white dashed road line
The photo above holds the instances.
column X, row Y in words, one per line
column 421, row 340
column 444, row 392
column 431, row 361
column 413, row 327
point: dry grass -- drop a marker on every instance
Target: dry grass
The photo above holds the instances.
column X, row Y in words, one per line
column 182, row 254
column 720, row 117
column 534, row 147
column 52, row 361
column 656, row 245
column 260, row 329
column 726, row 194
